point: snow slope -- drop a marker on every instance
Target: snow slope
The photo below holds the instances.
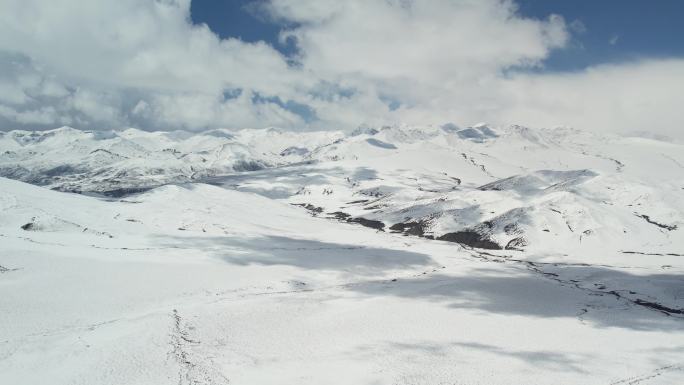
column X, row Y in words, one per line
column 549, row 191
column 378, row 257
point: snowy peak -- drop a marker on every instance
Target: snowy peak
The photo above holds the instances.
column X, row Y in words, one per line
column 478, row 133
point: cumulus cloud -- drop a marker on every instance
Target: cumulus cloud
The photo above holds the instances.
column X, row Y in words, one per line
column 107, row 57
column 104, row 64
column 634, row 98
column 423, row 41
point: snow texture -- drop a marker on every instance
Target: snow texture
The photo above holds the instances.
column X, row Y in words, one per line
column 393, row 255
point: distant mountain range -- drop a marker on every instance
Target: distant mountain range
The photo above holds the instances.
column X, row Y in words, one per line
column 510, row 188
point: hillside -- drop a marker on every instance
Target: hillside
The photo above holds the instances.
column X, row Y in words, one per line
column 386, row 254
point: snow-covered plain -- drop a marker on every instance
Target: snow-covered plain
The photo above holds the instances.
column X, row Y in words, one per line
column 401, row 255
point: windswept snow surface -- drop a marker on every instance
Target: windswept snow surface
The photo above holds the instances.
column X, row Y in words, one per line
column 397, row 255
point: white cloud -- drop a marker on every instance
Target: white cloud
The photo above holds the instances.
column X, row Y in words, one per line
column 422, row 55
column 105, row 51
column 427, row 41
column 206, row 110
column 12, row 93
column 142, row 63
column 135, row 43
column 643, row 96
column 43, row 115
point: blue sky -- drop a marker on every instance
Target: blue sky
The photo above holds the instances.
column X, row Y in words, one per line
column 604, row 31
column 616, row 30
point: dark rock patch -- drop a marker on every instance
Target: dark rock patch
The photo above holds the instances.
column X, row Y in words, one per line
column 512, row 229
column 122, row 192
column 497, row 185
column 659, row 307
column 373, row 192
column 340, row 215
column 344, row 217
column 661, row 225
column 375, row 207
column 411, row 228
column 658, row 254
column 470, row 238
column 28, row 227
column 516, row 244
column 314, row 210
column 368, row 223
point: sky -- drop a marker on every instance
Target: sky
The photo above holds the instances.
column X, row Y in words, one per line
column 647, row 29
column 605, row 66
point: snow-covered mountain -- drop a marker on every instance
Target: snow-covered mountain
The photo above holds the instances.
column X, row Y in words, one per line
column 516, row 188
column 389, row 255
column 132, row 160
